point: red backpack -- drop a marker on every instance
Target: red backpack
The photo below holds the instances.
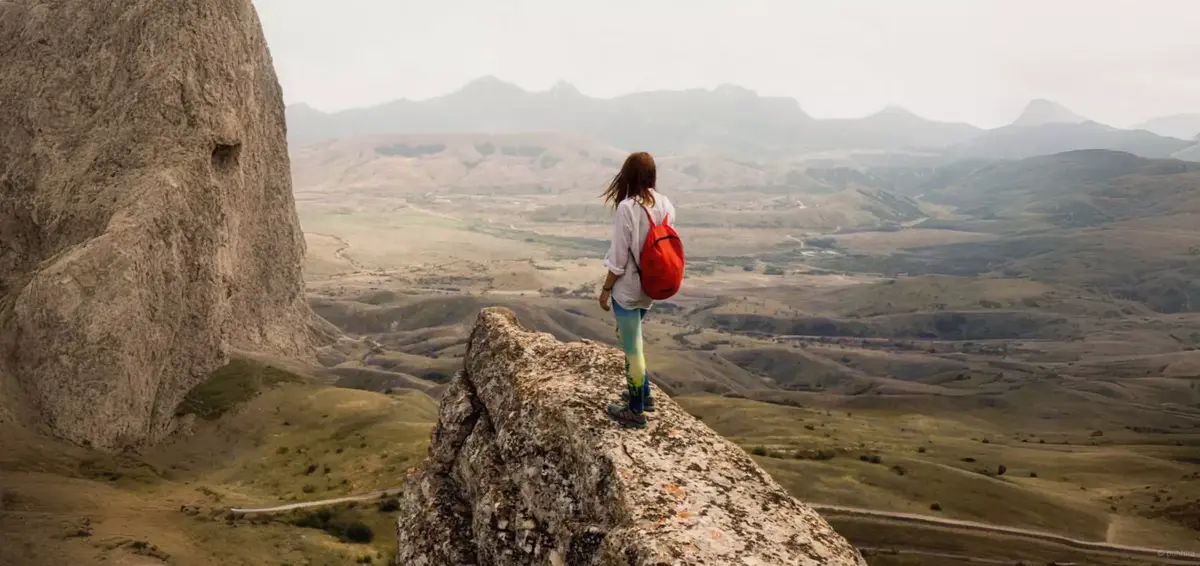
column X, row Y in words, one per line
column 661, row 268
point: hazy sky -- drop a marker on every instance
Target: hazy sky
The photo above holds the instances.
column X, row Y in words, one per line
column 1115, row 61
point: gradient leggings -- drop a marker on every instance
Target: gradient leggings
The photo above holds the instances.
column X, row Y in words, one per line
column 629, row 332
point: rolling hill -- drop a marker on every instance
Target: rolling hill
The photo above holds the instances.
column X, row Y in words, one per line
column 1107, row 222
column 1018, row 142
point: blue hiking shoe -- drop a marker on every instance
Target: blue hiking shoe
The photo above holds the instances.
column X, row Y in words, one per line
column 622, row 414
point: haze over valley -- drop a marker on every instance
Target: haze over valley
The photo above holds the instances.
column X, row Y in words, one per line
column 975, row 339
column 948, row 298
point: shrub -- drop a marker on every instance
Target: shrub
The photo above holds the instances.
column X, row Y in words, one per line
column 900, row 470
column 921, row 450
column 968, row 460
column 359, row 532
column 936, row 507
column 282, row 450
column 325, row 520
column 823, row 243
column 311, row 468
column 876, row 459
column 389, row 505
column 1000, row 471
column 9, row 499
column 1033, row 474
column 308, row 488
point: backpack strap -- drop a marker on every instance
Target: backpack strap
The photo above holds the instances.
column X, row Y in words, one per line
column 649, row 218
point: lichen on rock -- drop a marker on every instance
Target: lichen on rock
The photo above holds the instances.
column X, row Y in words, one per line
column 525, row 468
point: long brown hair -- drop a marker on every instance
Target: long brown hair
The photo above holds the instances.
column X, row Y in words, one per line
column 635, row 179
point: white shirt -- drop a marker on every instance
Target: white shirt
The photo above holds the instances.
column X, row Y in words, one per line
column 624, row 254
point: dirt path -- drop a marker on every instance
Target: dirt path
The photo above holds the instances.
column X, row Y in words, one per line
column 374, row 495
column 1179, row 556
column 340, row 252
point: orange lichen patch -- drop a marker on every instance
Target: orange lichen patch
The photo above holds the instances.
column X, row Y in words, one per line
column 673, row 490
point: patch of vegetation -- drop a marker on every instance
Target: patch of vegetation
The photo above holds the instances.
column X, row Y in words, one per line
column 405, row 150
column 819, row 455
column 345, row 530
column 389, row 505
column 523, row 151
column 8, row 499
column 822, row 243
column 144, row 548
column 486, row 148
column 229, row 387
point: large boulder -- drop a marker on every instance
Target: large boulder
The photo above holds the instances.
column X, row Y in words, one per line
column 525, row 468
column 147, row 224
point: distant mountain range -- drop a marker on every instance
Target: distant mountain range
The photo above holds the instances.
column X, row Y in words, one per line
column 728, row 119
column 1184, row 126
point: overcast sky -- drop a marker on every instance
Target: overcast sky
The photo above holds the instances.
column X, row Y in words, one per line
column 979, row 61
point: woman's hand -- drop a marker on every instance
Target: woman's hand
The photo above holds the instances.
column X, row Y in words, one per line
column 610, row 279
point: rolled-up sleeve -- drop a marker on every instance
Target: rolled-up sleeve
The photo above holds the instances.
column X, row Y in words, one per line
column 622, row 237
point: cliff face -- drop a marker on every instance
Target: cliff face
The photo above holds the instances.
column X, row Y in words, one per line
column 146, row 213
column 525, row 468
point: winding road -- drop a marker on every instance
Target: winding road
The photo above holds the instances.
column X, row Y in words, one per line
column 1176, row 556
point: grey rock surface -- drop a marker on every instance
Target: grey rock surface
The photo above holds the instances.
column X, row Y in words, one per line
column 525, row 468
column 147, row 224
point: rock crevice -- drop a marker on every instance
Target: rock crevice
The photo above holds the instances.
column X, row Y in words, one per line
column 524, row 468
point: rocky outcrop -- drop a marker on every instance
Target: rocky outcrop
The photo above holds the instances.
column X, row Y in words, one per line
column 147, row 223
column 525, row 468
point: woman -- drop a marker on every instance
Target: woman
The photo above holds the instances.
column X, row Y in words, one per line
column 632, row 193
